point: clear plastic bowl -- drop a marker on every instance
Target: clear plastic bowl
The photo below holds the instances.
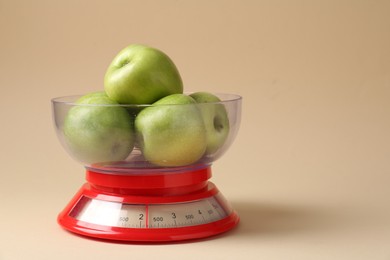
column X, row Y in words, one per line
column 97, row 136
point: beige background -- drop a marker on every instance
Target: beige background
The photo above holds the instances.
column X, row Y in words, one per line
column 309, row 172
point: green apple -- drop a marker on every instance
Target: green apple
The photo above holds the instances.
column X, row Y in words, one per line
column 215, row 118
column 98, row 129
column 99, row 97
column 171, row 131
column 141, row 75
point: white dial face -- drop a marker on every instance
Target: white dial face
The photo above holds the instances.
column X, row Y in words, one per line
column 173, row 215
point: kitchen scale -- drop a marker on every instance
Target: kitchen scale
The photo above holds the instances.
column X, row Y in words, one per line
column 135, row 201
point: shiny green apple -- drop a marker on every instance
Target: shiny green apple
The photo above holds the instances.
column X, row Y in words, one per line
column 141, row 75
column 171, row 131
column 97, row 129
column 215, row 118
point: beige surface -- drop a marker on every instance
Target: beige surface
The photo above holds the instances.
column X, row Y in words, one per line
column 309, row 172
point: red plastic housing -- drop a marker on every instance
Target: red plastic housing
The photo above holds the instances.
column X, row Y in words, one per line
column 157, row 188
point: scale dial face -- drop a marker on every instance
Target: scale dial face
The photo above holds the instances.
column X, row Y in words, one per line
column 151, row 216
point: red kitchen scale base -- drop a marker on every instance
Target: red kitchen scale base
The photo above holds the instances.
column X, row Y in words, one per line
column 149, row 206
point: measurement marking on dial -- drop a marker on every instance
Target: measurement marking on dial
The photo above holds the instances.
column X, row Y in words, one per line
column 185, row 214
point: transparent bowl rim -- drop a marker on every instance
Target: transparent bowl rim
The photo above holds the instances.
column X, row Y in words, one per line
column 70, row 100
